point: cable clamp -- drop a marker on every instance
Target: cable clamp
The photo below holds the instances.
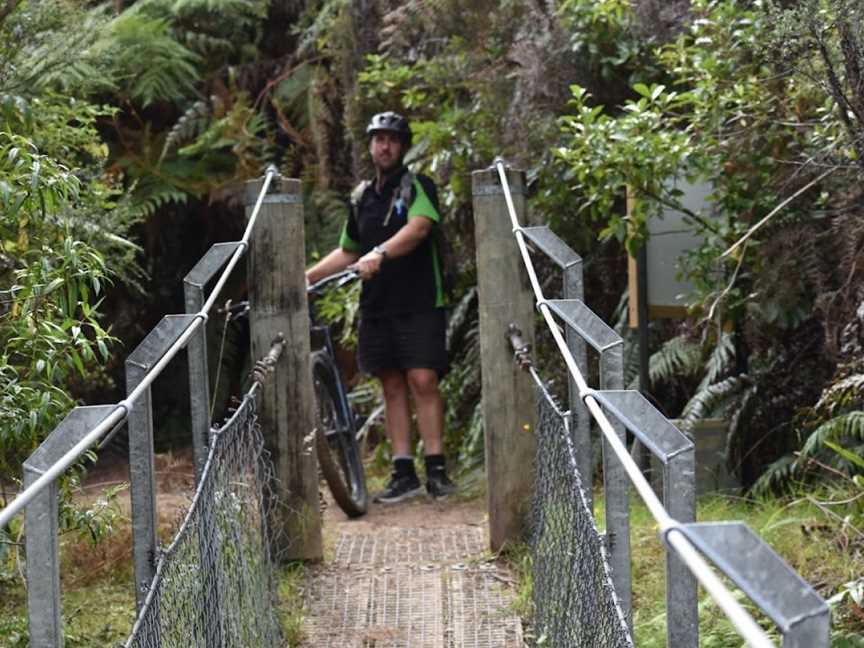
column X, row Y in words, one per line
column 589, row 392
column 674, row 526
column 521, row 349
column 543, row 302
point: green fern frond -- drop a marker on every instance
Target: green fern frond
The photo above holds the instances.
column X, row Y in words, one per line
column 845, row 393
column 155, row 66
column 711, row 399
column 207, row 44
column 848, row 427
column 193, row 122
column 719, row 361
column 776, row 477
column 676, row 358
column 148, row 200
column 241, row 13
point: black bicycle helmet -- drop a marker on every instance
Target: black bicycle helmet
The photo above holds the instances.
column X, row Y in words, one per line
column 390, row 121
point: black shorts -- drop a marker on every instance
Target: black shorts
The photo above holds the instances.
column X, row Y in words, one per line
column 406, row 341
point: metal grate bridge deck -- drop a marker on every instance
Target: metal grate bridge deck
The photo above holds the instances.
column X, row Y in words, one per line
column 410, row 587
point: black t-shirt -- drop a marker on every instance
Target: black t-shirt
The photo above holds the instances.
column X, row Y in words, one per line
column 407, row 284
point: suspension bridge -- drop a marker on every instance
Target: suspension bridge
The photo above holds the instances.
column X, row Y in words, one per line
column 256, row 499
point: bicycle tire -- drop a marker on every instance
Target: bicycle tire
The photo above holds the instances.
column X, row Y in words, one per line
column 335, row 441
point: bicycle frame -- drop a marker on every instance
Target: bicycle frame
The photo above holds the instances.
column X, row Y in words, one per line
column 321, row 340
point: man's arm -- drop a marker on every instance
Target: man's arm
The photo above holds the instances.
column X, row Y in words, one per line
column 335, row 261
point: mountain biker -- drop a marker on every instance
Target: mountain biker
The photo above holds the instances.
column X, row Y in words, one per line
column 387, row 237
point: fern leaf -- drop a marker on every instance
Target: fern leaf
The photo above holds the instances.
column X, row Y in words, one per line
column 777, row 476
column 710, row 399
column 842, row 394
column 207, row 44
column 677, row 357
column 719, row 361
column 848, row 426
column 147, row 200
column 193, row 122
column 156, row 66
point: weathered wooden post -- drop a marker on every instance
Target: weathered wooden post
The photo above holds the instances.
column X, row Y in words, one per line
column 277, row 298
column 508, row 392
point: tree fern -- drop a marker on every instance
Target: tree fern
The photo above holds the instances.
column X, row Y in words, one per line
column 148, row 61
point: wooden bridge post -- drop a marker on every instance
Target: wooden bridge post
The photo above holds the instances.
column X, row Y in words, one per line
column 509, row 411
column 277, row 299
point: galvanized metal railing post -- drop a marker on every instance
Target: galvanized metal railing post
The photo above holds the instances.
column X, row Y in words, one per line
column 142, row 469
column 677, row 454
column 616, row 487
column 574, row 289
column 199, row 382
column 609, row 345
column 44, row 607
column 679, row 498
column 209, row 539
column 802, row 616
column 142, row 482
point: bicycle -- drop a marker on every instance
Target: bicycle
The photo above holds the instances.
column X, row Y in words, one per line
column 335, row 422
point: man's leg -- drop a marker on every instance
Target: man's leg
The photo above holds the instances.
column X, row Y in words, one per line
column 396, row 412
column 430, row 408
column 430, row 419
column 404, row 482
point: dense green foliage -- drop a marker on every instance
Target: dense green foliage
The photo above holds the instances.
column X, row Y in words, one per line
column 775, row 135
column 61, row 225
column 140, row 121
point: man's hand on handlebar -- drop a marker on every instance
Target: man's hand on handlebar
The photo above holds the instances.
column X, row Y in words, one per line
column 369, row 264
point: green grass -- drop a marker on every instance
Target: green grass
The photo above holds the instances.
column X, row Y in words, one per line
column 818, row 545
column 98, row 615
column 292, row 580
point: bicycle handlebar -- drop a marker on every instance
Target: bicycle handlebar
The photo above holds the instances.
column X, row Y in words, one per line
column 338, row 278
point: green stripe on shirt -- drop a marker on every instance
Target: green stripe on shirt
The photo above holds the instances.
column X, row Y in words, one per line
column 347, row 243
column 421, row 205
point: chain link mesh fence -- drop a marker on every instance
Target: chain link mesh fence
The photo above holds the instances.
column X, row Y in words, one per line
column 574, row 601
column 214, row 585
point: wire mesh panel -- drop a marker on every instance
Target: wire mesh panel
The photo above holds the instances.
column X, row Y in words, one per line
column 574, row 600
column 214, row 584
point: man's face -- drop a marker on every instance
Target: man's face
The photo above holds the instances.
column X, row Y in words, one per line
column 386, row 150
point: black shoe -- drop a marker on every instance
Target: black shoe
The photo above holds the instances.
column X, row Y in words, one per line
column 439, row 486
column 400, row 488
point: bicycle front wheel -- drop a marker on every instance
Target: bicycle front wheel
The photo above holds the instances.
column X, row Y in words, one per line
column 335, row 440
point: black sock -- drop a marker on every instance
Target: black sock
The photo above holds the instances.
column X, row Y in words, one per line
column 434, row 464
column 403, row 467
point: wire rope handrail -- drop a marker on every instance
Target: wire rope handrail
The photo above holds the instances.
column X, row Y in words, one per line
column 122, row 409
column 670, row 529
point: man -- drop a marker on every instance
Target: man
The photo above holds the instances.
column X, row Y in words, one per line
column 388, row 239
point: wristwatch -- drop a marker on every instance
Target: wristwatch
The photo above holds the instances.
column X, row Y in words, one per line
column 379, row 249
